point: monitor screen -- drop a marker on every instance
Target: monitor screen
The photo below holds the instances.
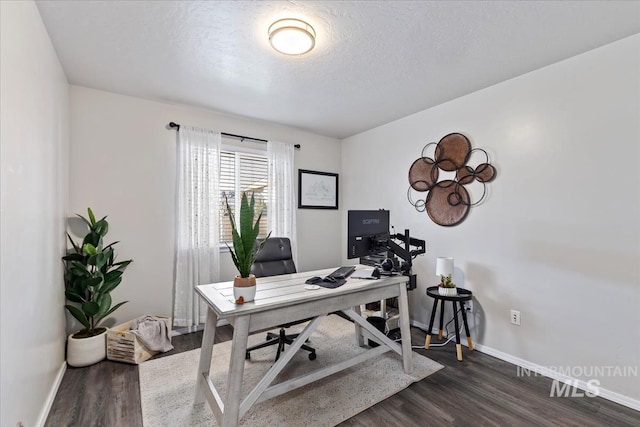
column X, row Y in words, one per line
column 367, row 232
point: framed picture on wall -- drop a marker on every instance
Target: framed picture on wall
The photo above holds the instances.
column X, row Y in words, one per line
column 317, row 190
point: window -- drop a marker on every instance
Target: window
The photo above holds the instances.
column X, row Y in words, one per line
column 241, row 172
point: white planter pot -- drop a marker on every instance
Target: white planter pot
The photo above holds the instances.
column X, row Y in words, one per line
column 248, row 293
column 86, row 351
column 447, row 292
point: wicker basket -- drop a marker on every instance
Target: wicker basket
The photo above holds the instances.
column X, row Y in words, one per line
column 124, row 346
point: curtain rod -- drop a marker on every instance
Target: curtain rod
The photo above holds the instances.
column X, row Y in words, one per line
column 231, row 135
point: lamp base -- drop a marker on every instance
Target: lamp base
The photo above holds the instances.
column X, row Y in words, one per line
column 447, row 292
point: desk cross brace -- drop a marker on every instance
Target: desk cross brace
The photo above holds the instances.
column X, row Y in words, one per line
column 262, row 391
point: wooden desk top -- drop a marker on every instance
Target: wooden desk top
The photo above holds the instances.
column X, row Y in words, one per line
column 285, row 290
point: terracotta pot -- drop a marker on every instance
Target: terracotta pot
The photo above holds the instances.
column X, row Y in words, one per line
column 243, row 282
column 244, row 287
column 86, row 351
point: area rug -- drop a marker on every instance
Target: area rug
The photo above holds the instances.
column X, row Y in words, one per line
column 167, row 385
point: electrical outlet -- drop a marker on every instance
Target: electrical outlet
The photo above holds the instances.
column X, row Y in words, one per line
column 515, row 317
column 468, row 305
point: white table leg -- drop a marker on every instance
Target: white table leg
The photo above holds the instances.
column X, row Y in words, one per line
column 231, row 413
column 206, row 351
column 358, row 328
column 405, row 329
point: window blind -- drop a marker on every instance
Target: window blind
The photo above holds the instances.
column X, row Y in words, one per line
column 242, row 172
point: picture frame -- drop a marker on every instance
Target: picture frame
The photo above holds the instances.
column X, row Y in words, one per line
column 317, row 190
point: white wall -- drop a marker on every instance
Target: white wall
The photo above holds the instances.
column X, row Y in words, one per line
column 123, row 166
column 559, row 236
column 34, row 108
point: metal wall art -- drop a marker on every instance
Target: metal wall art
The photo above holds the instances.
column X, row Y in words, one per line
column 445, row 176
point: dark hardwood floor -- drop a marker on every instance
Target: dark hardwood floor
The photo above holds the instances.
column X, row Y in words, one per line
column 481, row 390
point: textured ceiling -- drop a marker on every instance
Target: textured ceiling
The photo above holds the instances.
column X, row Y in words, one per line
column 374, row 61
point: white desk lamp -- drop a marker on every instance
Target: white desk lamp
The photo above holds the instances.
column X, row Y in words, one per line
column 444, row 266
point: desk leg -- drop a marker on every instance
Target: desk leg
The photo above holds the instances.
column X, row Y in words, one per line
column 358, row 328
column 427, row 340
column 206, row 351
column 466, row 325
column 231, row 412
column 455, row 318
column 405, row 329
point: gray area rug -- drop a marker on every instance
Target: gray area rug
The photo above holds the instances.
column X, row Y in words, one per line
column 167, row 385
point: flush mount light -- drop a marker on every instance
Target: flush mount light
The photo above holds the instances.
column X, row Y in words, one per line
column 292, row 36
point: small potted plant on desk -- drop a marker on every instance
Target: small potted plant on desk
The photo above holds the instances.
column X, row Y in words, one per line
column 244, row 250
column 446, row 287
column 90, row 275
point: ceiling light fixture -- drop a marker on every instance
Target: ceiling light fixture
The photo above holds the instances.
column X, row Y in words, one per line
column 292, row 36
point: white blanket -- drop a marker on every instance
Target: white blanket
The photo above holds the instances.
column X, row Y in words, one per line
column 153, row 332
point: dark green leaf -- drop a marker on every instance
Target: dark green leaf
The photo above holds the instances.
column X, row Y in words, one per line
column 76, row 248
column 122, row 265
column 105, row 304
column 114, row 308
column 73, row 257
column 109, row 245
column 93, row 259
column 73, row 296
column 92, row 281
column 78, row 314
column 102, row 227
column 90, row 308
column 112, row 275
column 92, row 238
column 79, row 268
column 101, row 259
column 110, row 285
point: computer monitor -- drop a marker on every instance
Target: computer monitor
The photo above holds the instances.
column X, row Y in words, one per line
column 367, row 232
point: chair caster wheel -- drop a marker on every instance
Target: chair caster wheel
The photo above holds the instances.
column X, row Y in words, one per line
column 247, row 356
column 312, row 356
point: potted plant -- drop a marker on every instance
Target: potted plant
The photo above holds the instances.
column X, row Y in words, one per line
column 91, row 273
column 244, row 249
column 446, row 287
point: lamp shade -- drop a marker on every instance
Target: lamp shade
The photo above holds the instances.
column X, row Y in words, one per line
column 444, row 266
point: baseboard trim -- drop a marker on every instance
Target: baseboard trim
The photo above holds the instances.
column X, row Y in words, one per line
column 554, row 375
column 197, row 328
column 48, row 404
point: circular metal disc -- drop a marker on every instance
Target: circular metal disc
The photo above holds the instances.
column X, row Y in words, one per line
column 448, row 203
column 452, row 152
column 423, row 174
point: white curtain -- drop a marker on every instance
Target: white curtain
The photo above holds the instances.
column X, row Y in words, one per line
column 197, row 231
column 281, row 218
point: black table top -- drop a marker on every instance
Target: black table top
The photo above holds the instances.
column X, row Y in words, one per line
column 463, row 294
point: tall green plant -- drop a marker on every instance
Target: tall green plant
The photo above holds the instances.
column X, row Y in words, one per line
column 91, row 273
column 244, row 237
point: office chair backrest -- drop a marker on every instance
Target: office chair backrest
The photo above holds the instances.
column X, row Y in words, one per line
column 274, row 259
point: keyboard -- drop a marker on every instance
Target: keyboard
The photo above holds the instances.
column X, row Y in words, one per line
column 343, row 272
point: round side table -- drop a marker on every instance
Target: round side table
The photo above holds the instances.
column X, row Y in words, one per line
column 459, row 299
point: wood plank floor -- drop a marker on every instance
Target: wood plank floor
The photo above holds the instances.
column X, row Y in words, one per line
column 480, row 391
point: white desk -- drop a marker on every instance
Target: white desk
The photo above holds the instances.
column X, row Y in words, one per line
column 282, row 299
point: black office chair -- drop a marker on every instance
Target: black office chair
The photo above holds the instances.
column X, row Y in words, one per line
column 275, row 259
